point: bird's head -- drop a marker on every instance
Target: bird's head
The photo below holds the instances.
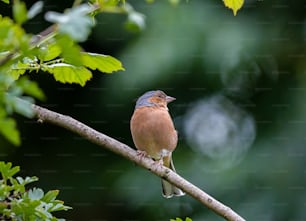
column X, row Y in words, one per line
column 154, row 99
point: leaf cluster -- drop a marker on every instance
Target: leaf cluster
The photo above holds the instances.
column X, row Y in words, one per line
column 19, row 203
column 55, row 51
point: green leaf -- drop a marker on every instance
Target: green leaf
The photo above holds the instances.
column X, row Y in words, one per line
column 19, row 204
column 49, row 52
column 235, row 5
column 31, row 88
column 69, row 50
column 18, row 105
column 19, row 11
column 6, row 1
column 24, row 209
column 9, row 131
column 66, row 73
column 12, row 36
column 3, row 206
column 35, row 9
column 18, row 188
column 27, row 180
column 7, row 170
column 59, row 206
column 21, row 67
column 50, row 196
column 106, row 3
column 179, row 219
column 16, row 72
column 76, row 22
column 5, row 190
column 103, row 63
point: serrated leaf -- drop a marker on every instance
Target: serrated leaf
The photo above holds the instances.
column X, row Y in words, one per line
column 19, row 11
column 103, row 63
column 9, row 131
column 235, row 5
column 66, row 73
column 35, row 9
column 76, row 22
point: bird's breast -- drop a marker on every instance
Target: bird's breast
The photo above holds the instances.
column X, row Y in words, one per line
column 153, row 131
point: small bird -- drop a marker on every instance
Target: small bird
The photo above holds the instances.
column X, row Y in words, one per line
column 153, row 132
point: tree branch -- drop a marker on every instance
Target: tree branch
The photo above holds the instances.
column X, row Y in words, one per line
column 113, row 145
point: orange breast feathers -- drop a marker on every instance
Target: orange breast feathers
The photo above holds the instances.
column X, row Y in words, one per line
column 153, row 131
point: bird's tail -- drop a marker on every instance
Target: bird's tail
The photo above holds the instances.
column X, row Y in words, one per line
column 170, row 190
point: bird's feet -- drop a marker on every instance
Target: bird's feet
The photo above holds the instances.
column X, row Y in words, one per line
column 159, row 163
column 142, row 153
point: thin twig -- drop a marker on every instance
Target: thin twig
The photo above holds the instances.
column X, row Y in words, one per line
column 45, row 115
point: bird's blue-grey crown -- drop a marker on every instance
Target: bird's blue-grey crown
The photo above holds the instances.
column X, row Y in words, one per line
column 143, row 101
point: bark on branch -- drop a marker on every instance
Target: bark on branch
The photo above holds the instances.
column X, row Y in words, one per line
column 113, row 145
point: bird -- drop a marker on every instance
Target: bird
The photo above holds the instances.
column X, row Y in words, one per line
column 154, row 134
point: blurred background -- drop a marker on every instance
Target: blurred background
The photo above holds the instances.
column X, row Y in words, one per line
column 240, row 84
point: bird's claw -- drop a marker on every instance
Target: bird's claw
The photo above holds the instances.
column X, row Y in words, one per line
column 159, row 163
column 141, row 153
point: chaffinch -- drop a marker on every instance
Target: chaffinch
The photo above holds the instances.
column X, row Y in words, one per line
column 153, row 132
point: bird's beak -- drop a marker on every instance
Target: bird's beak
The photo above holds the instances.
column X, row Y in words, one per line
column 170, row 99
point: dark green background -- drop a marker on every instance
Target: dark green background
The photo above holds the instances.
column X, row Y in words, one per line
column 196, row 51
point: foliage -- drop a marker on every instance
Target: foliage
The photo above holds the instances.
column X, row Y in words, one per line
column 55, row 51
column 179, row 219
column 235, row 5
column 19, row 203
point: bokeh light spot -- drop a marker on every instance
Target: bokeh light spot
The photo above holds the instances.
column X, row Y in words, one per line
column 220, row 130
